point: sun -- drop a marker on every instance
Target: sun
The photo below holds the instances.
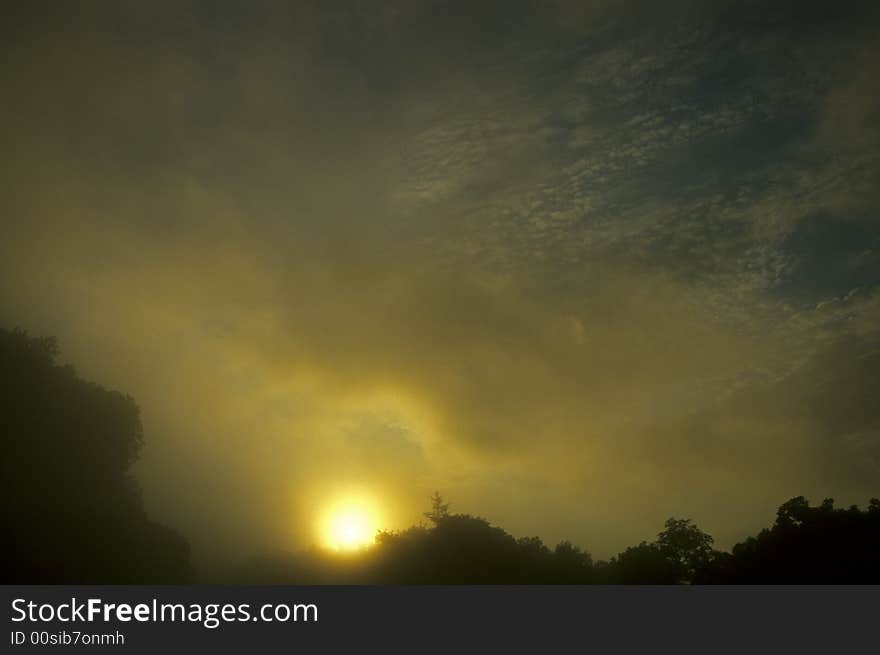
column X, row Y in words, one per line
column 350, row 524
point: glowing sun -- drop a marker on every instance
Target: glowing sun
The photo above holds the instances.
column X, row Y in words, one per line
column 350, row 525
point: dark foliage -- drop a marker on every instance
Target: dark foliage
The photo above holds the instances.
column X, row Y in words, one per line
column 72, row 512
column 456, row 549
column 806, row 545
column 462, row 549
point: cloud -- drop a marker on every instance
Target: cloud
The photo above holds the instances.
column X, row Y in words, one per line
column 559, row 265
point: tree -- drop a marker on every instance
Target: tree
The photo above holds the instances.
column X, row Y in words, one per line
column 792, row 512
column 646, row 563
column 809, row 545
column 571, row 564
column 826, row 545
column 439, row 509
column 71, row 507
column 688, row 547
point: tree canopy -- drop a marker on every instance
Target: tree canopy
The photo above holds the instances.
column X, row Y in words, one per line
column 72, row 510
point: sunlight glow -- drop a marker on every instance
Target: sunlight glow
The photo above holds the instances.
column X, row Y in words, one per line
column 350, row 524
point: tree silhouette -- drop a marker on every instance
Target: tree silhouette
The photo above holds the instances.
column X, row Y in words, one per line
column 806, row 545
column 686, row 546
column 571, row 565
column 72, row 511
column 646, row 563
column 456, row 549
column 439, row 510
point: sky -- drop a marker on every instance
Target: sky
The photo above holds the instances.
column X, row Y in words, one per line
column 579, row 266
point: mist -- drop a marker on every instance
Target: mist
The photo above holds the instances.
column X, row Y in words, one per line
column 578, row 269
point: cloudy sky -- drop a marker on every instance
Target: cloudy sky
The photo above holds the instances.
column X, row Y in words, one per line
column 580, row 266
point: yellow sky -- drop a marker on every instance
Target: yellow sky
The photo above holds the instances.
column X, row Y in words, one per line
column 332, row 251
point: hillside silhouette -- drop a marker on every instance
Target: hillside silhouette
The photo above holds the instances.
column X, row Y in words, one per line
column 73, row 514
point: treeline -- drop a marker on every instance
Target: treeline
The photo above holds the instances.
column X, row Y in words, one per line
column 806, row 545
column 72, row 513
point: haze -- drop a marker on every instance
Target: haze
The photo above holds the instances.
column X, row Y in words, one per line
column 580, row 266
